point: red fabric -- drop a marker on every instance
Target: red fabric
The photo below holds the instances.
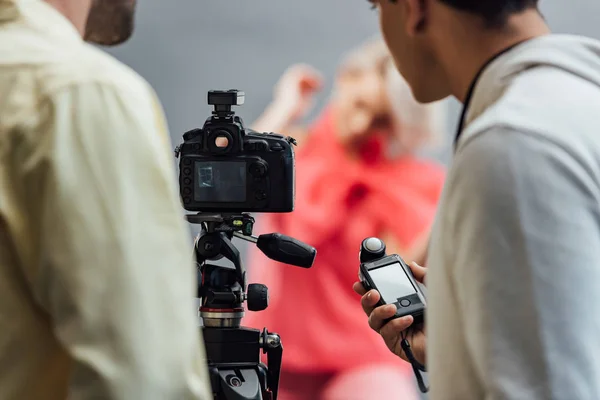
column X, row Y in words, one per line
column 339, row 202
column 370, row 382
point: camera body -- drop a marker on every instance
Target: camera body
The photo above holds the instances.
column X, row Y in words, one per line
column 225, row 167
column 392, row 278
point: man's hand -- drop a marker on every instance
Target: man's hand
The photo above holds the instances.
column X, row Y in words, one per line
column 417, row 251
column 393, row 331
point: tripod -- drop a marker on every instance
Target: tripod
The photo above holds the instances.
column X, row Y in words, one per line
column 233, row 352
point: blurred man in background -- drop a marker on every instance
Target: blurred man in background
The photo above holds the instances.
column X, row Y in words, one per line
column 357, row 175
column 96, row 275
column 514, row 261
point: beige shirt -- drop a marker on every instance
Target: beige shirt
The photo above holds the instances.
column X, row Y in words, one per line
column 96, row 269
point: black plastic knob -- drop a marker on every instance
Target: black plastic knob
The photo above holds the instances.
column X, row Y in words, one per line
column 371, row 249
column 258, row 297
column 286, row 250
column 258, row 169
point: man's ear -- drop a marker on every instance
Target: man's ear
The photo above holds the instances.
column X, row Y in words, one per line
column 416, row 12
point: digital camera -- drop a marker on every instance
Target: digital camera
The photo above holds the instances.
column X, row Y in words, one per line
column 225, row 167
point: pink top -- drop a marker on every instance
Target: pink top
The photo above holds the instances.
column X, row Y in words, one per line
column 339, row 202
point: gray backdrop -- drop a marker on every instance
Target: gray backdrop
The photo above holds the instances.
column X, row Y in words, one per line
column 184, row 50
column 186, row 47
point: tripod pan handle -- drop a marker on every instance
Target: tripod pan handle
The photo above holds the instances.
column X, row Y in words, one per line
column 287, row 250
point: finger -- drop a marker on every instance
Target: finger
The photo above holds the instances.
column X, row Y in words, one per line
column 310, row 85
column 418, row 272
column 359, row 288
column 369, row 301
column 305, row 71
column 379, row 315
column 311, row 81
column 395, row 327
column 309, row 70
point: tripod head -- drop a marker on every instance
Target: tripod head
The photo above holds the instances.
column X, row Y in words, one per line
column 223, row 289
column 232, row 350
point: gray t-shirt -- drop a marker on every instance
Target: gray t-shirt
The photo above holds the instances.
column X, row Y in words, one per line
column 514, row 264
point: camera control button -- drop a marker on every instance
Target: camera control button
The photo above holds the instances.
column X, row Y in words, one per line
column 187, row 161
column 258, row 169
column 260, row 195
column 405, row 303
column 187, row 171
column 187, row 181
column 276, row 147
column 261, row 146
column 187, row 190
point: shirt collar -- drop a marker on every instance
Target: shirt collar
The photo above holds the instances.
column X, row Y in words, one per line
column 463, row 117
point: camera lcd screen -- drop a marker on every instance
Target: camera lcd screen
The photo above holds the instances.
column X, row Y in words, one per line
column 392, row 282
column 220, row 181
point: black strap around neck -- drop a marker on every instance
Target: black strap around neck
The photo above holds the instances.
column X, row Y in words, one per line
column 468, row 98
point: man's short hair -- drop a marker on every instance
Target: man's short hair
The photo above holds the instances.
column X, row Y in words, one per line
column 494, row 12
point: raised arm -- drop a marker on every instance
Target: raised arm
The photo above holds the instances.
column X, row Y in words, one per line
column 293, row 97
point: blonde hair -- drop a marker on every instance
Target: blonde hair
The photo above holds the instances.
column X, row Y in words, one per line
column 419, row 125
column 372, row 54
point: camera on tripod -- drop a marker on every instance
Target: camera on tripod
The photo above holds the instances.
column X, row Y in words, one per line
column 227, row 167
column 227, row 171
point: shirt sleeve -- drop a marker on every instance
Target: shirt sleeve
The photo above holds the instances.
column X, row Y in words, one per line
column 116, row 273
column 526, row 244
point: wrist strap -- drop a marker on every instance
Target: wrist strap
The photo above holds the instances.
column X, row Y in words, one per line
column 416, row 366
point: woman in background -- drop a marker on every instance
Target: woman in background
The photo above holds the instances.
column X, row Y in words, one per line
column 356, row 176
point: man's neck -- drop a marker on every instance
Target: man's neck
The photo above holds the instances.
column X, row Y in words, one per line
column 472, row 49
column 75, row 11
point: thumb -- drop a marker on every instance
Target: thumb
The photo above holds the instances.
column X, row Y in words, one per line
column 418, row 272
